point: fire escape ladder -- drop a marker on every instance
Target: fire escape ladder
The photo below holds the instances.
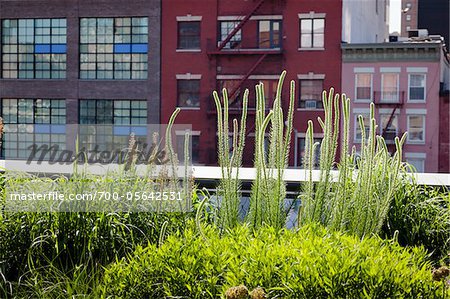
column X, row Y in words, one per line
column 391, row 117
column 250, row 71
column 239, row 26
column 389, row 121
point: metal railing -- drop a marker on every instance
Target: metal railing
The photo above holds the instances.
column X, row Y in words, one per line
column 201, row 173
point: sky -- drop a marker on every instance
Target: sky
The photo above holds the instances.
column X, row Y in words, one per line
column 395, row 15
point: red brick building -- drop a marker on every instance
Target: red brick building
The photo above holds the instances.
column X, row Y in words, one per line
column 235, row 44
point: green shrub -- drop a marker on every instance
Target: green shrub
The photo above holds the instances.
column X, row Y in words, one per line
column 310, row 263
column 421, row 215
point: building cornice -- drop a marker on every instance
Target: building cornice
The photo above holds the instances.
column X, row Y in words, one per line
column 426, row 51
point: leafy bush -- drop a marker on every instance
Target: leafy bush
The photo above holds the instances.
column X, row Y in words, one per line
column 310, row 263
column 421, row 215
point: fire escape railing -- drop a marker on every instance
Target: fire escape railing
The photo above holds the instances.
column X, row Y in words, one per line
column 239, row 26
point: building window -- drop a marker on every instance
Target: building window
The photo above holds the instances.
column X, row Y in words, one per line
column 416, row 87
column 311, row 94
column 389, row 127
column 189, row 35
column 389, row 86
column 416, row 128
column 114, row 121
column 363, row 84
column 358, row 132
column 188, row 93
column 301, row 151
column 408, row 17
column 34, row 48
column 193, row 150
column 31, row 122
column 113, row 48
column 409, row 5
column 226, row 27
column 417, row 163
column 408, row 28
column 269, row 34
column 312, row 32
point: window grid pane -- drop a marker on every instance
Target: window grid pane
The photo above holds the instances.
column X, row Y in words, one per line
column 114, row 48
column 32, row 122
column 416, row 128
column 417, row 87
column 390, row 88
column 188, row 93
column 312, row 33
column 363, row 86
column 226, row 27
column 189, row 35
column 34, row 48
column 114, row 121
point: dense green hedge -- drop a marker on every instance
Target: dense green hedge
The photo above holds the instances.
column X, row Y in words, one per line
column 310, row 263
column 420, row 216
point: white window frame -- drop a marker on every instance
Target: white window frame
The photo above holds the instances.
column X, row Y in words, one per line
column 408, row 17
column 356, row 87
column 424, row 88
column 382, row 100
column 311, row 15
column 409, row 141
column 418, row 157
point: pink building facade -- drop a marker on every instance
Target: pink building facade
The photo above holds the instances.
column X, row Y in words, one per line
column 404, row 81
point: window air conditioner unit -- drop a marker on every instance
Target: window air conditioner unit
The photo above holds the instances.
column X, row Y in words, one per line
column 310, row 104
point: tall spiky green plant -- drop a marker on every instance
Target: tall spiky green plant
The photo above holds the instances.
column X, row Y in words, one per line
column 358, row 198
column 269, row 188
column 230, row 185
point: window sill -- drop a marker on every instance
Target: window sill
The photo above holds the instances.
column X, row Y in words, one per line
column 188, row 50
column 311, row 49
column 417, row 101
column 189, row 108
column 409, row 142
column 310, row 109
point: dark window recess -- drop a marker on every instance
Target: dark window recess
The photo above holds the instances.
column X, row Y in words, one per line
column 189, row 35
column 188, row 93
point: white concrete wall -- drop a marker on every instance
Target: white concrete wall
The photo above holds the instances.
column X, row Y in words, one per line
column 361, row 23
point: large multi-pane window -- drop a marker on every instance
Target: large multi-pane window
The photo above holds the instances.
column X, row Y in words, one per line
column 107, row 124
column 312, row 33
column 34, row 48
column 188, row 93
column 32, row 122
column 188, row 35
column 417, row 87
column 363, row 87
column 226, row 27
column 113, row 48
column 311, row 94
column 390, row 87
column 269, row 34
